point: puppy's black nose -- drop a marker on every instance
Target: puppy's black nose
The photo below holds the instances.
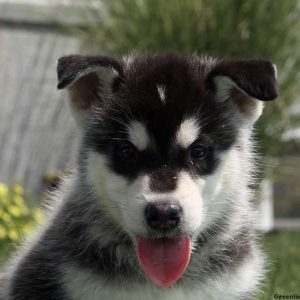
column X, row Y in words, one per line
column 163, row 216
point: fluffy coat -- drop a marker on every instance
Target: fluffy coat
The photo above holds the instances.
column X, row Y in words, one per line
column 168, row 107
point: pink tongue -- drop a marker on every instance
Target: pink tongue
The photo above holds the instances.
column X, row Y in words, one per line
column 164, row 260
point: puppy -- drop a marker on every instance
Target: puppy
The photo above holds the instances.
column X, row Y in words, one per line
column 159, row 206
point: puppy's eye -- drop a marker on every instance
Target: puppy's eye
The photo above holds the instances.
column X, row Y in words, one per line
column 127, row 151
column 198, row 151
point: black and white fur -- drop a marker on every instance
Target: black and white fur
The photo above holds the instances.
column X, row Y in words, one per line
column 161, row 107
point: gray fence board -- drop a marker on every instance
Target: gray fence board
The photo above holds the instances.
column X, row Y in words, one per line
column 37, row 132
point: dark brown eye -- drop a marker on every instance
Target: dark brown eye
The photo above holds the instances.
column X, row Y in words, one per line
column 127, row 151
column 198, row 151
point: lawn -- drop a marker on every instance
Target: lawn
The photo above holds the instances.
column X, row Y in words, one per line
column 283, row 249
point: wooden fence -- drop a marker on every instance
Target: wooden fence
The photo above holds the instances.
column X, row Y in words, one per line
column 37, row 132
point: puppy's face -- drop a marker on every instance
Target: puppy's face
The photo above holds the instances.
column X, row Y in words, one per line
column 164, row 134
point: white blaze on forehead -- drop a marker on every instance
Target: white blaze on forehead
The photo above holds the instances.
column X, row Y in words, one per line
column 187, row 132
column 138, row 135
column 162, row 93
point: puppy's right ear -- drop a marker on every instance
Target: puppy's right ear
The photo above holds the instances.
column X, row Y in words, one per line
column 89, row 80
column 244, row 85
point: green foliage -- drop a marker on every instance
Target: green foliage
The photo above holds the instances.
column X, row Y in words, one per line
column 229, row 28
column 283, row 253
column 16, row 218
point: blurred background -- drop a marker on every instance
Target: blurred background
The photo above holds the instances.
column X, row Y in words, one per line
column 38, row 137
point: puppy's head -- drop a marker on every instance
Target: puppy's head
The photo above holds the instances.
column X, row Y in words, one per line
column 164, row 136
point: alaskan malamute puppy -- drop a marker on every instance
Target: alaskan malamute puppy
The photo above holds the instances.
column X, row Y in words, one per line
column 159, row 207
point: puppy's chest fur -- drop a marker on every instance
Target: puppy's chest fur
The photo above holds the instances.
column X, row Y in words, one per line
column 219, row 269
column 82, row 284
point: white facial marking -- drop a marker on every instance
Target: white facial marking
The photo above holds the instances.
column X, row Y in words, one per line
column 189, row 196
column 138, row 135
column 106, row 183
column 123, row 200
column 187, row 132
column 162, row 93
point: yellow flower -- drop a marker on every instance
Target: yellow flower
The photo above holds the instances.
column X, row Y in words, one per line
column 3, row 190
column 18, row 189
column 6, row 217
column 14, row 210
column 16, row 217
column 3, row 232
column 13, row 234
column 4, row 202
column 19, row 200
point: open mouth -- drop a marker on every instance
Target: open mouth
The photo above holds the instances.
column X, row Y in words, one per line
column 164, row 260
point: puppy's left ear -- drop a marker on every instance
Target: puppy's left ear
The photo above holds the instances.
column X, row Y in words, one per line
column 89, row 80
column 241, row 83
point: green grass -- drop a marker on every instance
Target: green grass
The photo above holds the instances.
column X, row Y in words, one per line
column 283, row 250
